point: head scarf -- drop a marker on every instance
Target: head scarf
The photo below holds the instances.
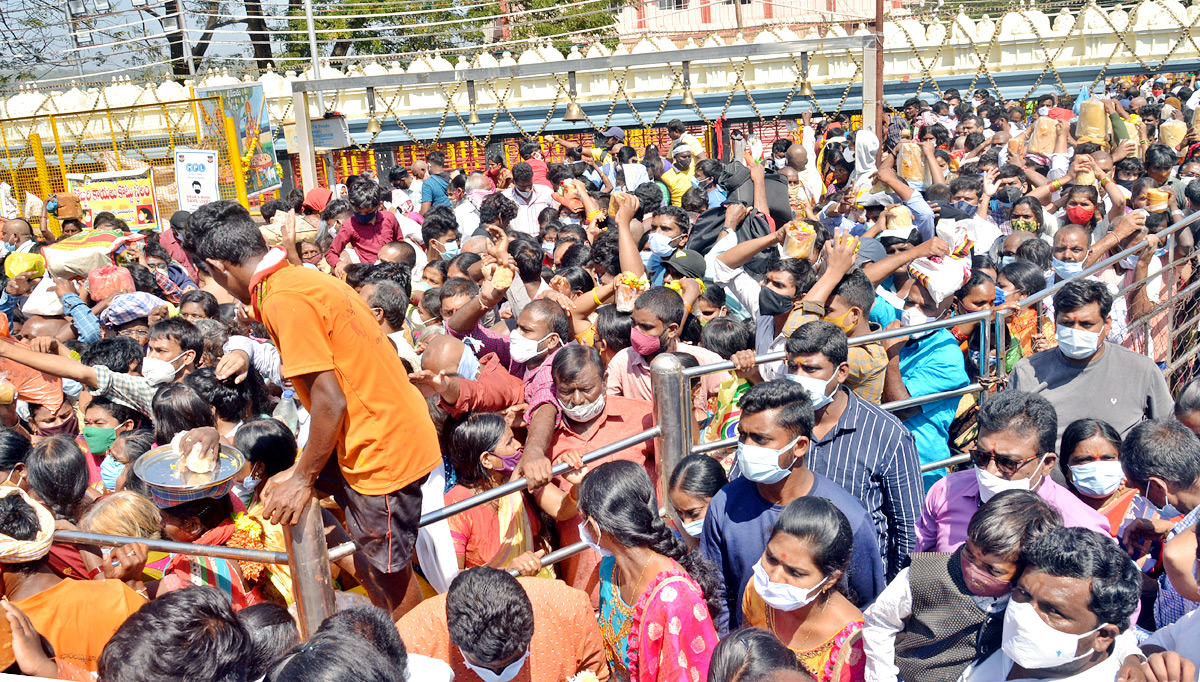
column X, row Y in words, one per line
column 317, row 199
column 14, row 551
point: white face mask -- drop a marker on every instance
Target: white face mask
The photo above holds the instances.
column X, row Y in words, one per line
column 816, row 389
column 781, row 596
column 585, row 534
column 522, row 349
column 694, row 528
column 911, row 317
column 159, row 371
column 1043, row 111
column 487, row 675
column 585, row 412
column 761, row 465
column 1077, row 344
column 991, row 485
column 1032, row 644
column 245, row 490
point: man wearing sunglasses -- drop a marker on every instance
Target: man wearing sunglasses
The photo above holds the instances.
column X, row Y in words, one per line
column 1014, row 451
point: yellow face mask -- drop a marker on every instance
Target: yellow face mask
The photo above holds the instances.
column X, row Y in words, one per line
column 843, row 321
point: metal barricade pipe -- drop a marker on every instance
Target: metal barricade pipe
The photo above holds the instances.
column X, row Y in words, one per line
column 673, row 414
column 312, row 581
column 558, row 555
column 521, row 483
column 943, row 463
column 261, row 556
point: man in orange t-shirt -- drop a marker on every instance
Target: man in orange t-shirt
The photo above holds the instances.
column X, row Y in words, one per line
column 537, row 629
column 349, row 378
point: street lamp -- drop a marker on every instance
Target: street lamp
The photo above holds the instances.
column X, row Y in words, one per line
column 76, row 8
column 102, row 5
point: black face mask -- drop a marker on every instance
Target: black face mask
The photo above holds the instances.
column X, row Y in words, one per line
column 1127, row 184
column 772, row 303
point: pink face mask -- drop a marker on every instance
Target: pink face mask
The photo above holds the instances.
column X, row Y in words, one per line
column 644, row 344
column 982, row 583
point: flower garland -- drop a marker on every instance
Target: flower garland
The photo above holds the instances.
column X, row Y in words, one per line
column 248, row 534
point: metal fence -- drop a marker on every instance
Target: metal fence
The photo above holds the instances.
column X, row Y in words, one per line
column 39, row 151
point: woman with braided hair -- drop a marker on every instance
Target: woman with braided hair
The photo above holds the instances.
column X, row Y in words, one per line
column 657, row 599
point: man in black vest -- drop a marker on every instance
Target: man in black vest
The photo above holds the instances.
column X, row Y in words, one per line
column 947, row 609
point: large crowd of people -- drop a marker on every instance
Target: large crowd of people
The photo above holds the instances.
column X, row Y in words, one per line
column 399, row 343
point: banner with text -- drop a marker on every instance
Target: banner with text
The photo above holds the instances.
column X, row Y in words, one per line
column 129, row 195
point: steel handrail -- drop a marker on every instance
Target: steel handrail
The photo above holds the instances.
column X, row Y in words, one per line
column 521, row 483
column 881, row 335
column 261, row 556
column 557, row 556
column 1111, row 260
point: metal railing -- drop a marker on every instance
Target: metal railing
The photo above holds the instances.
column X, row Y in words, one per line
column 308, row 558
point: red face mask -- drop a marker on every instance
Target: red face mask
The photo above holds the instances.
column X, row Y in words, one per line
column 1080, row 215
column 980, row 582
column 644, row 344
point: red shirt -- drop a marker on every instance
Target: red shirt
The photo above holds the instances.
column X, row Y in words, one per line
column 367, row 239
column 541, row 172
column 493, row 390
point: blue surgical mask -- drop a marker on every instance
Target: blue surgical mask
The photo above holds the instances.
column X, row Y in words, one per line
column 468, row 366
column 1005, row 261
column 548, row 248
column 451, row 250
column 245, row 489
column 1066, row 269
column 694, row 528
column 1000, row 296
column 5, row 247
column 110, row 470
column 660, row 244
column 1097, row 479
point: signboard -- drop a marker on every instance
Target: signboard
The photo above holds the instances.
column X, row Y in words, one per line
column 327, row 133
column 129, row 195
column 245, row 104
column 196, row 178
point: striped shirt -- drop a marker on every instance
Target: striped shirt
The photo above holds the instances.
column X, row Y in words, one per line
column 870, row 454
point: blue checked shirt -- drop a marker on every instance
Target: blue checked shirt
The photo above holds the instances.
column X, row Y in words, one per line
column 87, row 325
column 1170, row 605
column 870, row 454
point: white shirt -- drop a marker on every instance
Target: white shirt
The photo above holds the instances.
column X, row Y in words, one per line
column 529, row 208
column 889, row 615
column 429, row 669
column 1182, row 637
column 997, row 667
column 467, row 216
column 746, row 290
column 414, row 190
column 402, row 202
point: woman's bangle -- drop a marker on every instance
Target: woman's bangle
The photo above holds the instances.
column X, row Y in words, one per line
column 1055, row 185
column 596, row 298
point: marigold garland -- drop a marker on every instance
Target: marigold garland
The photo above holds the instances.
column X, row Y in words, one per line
column 248, row 534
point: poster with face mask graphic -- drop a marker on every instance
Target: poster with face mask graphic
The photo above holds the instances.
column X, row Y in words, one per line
column 196, row 177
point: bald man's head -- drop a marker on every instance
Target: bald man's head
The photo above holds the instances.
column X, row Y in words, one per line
column 1103, row 160
column 401, row 253
column 37, row 326
column 442, row 354
column 16, row 231
column 419, row 169
column 797, row 157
